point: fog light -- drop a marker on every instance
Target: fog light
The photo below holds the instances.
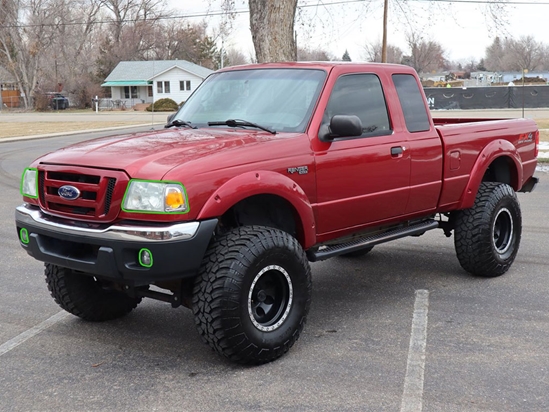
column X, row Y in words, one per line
column 145, row 258
column 24, row 236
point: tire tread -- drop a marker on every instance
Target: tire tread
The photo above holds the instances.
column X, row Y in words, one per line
column 219, row 285
column 82, row 296
column 473, row 231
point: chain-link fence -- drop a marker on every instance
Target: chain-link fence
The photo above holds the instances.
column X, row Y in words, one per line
column 115, row 104
column 512, row 97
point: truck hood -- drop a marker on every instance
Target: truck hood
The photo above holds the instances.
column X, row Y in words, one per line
column 152, row 154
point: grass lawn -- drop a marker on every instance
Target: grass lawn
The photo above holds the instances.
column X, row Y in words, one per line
column 17, row 129
column 543, row 134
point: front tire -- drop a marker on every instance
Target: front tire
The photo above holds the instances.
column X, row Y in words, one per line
column 487, row 236
column 87, row 297
column 253, row 294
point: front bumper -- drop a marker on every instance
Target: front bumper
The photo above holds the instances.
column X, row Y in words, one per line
column 112, row 251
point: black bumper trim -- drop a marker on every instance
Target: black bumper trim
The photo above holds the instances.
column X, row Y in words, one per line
column 118, row 259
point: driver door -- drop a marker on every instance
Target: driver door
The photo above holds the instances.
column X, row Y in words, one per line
column 361, row 180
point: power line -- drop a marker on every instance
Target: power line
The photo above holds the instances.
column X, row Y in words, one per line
column 510, row 2
column 243, row 11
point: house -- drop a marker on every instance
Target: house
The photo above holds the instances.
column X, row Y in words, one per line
column 134, row 82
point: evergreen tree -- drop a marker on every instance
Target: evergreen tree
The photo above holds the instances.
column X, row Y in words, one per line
column 346, row 57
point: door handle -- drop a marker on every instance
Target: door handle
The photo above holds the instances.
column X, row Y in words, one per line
column 397, row 150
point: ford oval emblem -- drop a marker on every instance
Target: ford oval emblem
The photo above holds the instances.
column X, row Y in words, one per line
column 68, row 192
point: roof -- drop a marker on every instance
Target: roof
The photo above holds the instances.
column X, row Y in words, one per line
column 138, row 72
column 119, row 83
column 325, row 65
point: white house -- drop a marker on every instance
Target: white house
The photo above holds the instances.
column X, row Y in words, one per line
column 136, row 82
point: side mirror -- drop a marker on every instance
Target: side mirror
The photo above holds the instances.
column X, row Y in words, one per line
column 170, row 117
column 340, row 126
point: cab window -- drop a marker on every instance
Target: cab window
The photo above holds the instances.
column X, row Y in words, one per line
column 411, row 101
column 360, row 95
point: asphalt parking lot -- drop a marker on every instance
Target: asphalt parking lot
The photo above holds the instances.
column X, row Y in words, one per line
column 403, row 328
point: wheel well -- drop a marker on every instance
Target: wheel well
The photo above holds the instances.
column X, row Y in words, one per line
column 264, row 210
column 501, row 170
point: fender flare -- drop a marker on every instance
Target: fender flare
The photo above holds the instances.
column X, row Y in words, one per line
column 492, row 151
column 262, row 183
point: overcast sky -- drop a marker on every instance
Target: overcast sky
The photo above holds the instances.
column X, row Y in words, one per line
column 462, row 28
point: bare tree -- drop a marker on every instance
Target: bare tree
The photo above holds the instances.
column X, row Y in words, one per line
column 516, row 55
column 134, row 32
column 124, row 12
column 373, row 53
column 495, row 55
column 527, row 53
column 28, row 28
column 186, row 41
column 306, row 54
column 68, row 59
column 426, row 55
column 545, row 53
column 272, row 26
column 235, row 58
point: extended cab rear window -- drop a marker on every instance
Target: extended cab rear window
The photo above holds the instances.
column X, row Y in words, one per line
column 360, row 95
column 411, row 100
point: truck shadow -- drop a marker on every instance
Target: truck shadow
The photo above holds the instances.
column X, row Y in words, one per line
column 372, row 292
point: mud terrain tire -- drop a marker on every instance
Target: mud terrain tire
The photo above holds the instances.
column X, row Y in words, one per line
column 487, row 236
column 253, row 294
column 85, row 296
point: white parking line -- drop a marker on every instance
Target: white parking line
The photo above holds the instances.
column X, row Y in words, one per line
column 22, row 337
column 412, row 398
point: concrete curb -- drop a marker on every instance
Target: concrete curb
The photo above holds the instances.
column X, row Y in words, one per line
column 73, row 132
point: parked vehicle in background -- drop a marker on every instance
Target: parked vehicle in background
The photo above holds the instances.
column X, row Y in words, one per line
column 58, row 101
column 264, row 169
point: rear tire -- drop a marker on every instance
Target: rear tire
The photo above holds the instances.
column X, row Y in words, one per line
column 487, row 236
column 85, row 296
column 253, row 294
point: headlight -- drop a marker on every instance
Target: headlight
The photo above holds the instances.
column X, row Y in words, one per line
column 155, row 197
column 29, row 183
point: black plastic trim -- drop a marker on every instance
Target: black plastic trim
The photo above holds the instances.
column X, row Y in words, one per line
column 118, row 259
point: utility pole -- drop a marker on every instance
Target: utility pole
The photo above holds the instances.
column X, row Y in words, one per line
column 523, row 72
column 384, row 40
column 222, row 51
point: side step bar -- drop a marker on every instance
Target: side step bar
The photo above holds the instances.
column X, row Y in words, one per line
column 364, row 242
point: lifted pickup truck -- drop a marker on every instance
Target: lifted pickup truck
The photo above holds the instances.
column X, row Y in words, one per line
column 265, row 168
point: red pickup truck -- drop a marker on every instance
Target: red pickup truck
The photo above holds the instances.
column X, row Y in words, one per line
column 265, row 168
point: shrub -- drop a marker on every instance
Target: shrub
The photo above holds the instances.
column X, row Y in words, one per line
column 41, row 102
column 163, row 105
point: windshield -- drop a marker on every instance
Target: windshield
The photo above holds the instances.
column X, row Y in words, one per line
column 278, row 99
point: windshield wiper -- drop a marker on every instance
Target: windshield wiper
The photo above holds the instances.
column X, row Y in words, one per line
column 179, row 123
column 238, row 122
